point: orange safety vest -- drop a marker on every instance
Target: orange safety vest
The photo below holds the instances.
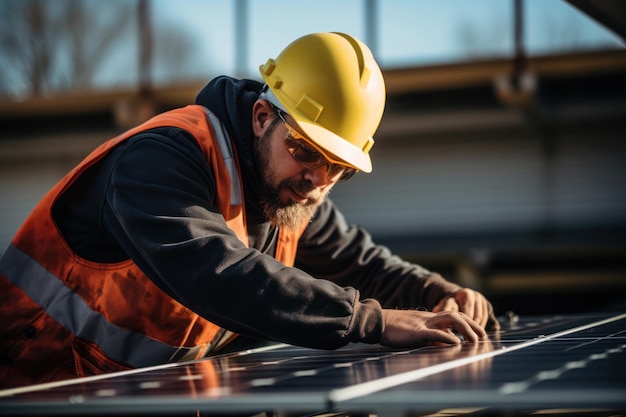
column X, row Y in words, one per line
column 64, row 316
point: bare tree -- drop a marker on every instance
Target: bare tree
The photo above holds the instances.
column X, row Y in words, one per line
column 52, row 46
column 48, row 47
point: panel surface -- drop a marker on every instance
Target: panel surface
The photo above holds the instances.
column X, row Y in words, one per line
column 533, row 363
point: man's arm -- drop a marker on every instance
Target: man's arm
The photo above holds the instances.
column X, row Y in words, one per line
column 334, row 250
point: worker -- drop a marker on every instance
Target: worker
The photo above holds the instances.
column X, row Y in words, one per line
column 212, row 221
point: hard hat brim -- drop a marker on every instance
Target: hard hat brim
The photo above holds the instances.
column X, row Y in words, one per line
column 335, row 145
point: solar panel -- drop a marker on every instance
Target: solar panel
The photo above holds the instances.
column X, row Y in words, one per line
column 534, row 363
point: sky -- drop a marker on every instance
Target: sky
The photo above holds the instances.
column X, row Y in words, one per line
column 410, row 32
column 406, row 33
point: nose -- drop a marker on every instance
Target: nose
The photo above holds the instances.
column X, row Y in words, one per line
column 318, row 176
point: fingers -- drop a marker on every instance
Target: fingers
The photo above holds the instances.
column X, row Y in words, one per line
column 477, row 328
column 466, row 300
column 446, row 304
column 460, row 322
column 470, row 303
column 408, row 328
column 478, row 309
column 473, row 304
column 492, row 322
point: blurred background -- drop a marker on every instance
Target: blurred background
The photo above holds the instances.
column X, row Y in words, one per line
column 500, row 161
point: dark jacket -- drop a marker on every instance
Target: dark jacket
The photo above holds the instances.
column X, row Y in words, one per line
column 152, row 201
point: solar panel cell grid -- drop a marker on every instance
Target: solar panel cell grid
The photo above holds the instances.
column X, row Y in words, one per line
column 535, row 362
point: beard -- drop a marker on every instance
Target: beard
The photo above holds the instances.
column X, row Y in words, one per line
column 290, row 214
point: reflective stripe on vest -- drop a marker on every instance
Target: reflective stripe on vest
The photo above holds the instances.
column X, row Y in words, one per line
column 227, row 152
column 67, row 308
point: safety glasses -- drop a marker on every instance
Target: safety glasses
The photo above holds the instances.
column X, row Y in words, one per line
column 310, row 156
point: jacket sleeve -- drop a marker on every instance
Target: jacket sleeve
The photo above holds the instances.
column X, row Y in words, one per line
column 333, row 250
column 159, row 209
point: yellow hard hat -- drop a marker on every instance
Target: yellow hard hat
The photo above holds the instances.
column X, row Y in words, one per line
column 331, row 86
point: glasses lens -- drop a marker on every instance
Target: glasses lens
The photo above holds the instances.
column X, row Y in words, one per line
column 311, row 158
column 307, row 157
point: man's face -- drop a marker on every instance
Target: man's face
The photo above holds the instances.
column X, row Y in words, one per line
column 291, row 193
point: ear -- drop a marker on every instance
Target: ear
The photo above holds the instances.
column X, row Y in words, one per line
column 262, row 114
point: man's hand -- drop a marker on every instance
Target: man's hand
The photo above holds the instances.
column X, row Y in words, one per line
column 472, row 303
column 409, row 328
